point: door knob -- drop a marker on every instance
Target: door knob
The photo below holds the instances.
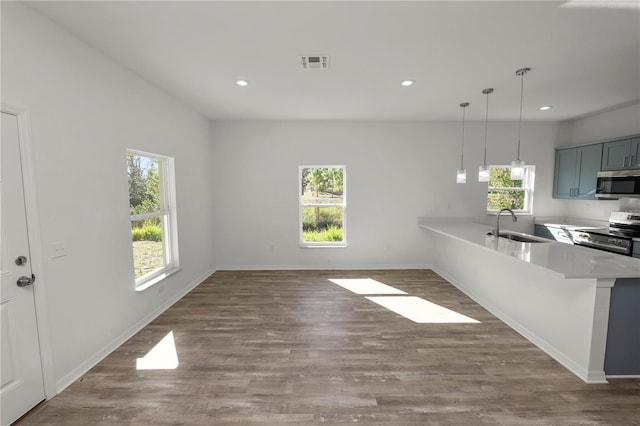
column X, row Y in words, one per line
column 25, row 281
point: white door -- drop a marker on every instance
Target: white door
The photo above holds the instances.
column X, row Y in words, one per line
column 21, row 380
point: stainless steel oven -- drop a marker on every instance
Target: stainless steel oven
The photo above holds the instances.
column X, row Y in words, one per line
column 619, row 237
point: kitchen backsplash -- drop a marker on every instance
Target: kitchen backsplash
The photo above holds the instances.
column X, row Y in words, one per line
column 600, row 209
column 630, row 204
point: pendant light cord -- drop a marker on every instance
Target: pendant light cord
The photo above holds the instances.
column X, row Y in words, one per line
column 464, row 109
column 521, row 72
column 486, row 120
column 520, row 119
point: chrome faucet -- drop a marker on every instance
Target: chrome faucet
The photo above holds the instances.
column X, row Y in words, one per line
column 496, row 231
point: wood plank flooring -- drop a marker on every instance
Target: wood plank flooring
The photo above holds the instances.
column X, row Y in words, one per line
column 291, row 347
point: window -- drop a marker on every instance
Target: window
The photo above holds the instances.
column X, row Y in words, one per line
column 504, row 193
column 322, row 206
column 153, row 218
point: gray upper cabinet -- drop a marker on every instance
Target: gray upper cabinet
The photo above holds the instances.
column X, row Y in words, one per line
column 622, row 154
column 565, row 173
column 635, row 153
column 576, row 172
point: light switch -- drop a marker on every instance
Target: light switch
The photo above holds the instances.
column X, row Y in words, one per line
column 58, row 249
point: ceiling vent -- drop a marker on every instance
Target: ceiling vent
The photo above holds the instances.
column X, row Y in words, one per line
column 314, row 62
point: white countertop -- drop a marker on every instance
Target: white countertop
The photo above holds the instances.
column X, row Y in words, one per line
column 565, row 259
column 570, row 223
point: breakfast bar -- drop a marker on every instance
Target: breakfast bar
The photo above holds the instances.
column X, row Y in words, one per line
column 556, row 295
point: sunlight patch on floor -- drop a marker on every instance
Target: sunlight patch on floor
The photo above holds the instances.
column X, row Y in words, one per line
column 366, row 286
column 420, row 311
column 162, row 356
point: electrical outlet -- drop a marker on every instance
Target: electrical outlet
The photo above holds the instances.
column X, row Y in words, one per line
column 58, row 249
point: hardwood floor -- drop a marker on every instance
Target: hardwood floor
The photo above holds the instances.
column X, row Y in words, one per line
column 291, row 347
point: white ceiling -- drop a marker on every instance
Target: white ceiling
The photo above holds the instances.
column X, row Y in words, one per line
column 584, row 55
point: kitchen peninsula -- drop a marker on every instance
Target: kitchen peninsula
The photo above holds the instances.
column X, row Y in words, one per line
column 556, row 295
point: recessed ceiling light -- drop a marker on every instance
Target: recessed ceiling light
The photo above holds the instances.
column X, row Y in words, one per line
column 242, row 82
column 545, row 108
column 407, row 82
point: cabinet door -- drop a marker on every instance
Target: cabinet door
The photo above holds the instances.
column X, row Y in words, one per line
column 589, row 161
column 635, row 153
column 565, row 173
column 615, row 154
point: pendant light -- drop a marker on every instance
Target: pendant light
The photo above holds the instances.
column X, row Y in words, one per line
column 461, row 175
column 517, row 165
column 483, row 171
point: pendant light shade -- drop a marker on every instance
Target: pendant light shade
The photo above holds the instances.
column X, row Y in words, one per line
column 461, row 174
column 517, row 170
column 483, row 171
column 517, row 165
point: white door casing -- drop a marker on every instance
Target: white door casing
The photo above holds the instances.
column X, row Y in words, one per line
column 21, row 375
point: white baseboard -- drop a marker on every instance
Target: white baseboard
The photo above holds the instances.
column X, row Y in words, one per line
column 591, row 377
column 319, row 267
column 79, row 371
column 619, row 376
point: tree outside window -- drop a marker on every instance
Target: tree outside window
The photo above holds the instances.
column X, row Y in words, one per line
column 504, row 193
column 152, row 217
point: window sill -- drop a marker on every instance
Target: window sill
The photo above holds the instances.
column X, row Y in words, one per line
column 156, row 279
column 507, row 214
column 323, row 246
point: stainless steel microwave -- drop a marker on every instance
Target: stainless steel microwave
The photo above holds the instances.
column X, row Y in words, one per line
column 618, row 184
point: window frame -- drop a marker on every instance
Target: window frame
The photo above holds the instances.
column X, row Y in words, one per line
column 166, row 172
column 343, row 205
column 528, row 186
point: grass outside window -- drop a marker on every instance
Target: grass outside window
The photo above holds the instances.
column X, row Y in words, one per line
column 322, row 206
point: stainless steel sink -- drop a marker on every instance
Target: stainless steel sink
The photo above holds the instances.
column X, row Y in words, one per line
column 523, row 238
